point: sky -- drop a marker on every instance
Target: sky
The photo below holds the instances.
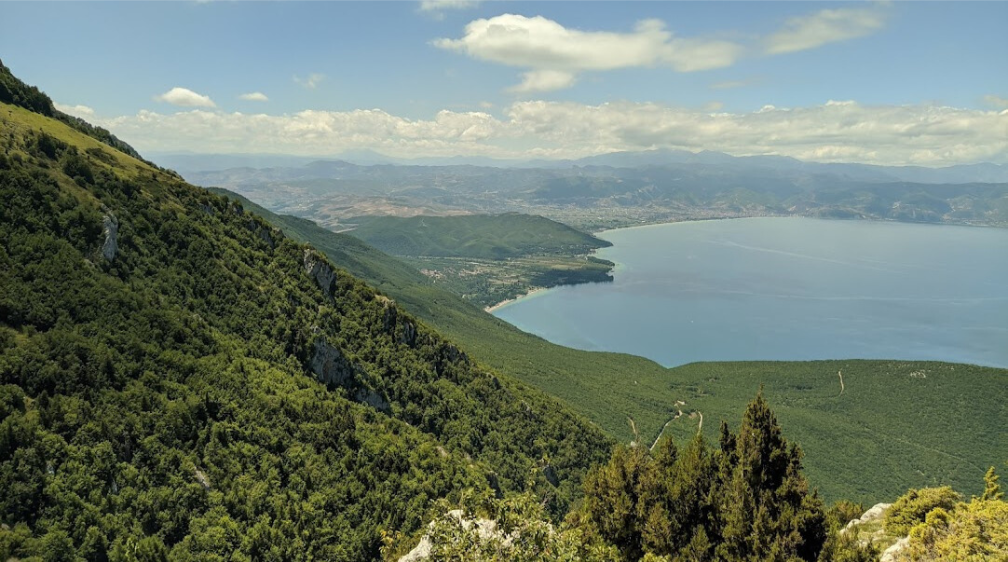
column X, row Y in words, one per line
column 892, row 83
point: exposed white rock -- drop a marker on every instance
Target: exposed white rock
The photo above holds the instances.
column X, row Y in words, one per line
column 486, row 528
column 890, row 553
column 110, row 227
column 319, row 270
column 329, row 365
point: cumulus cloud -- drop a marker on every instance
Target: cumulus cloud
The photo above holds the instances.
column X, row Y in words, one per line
column 556, row 54
column 254, row 96
column 185, row 97
column 312, row 82
column 82, row 111
column 543, row 81
column 825, row 26
column 836, row 131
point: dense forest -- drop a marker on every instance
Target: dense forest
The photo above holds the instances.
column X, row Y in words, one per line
column 178, row 373
column 180, row 380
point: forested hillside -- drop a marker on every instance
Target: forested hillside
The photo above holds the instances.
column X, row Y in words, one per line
column 510, row 235
column 178, row 377
column 862, row 444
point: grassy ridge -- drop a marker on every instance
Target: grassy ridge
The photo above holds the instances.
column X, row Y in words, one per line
column 510, row 235
column 897, row 423
column 888, row 431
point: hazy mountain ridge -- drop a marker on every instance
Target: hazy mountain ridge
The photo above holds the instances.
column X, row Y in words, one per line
column 195, row 164
column 624, row 189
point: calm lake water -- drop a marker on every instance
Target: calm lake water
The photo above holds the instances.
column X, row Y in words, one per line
column 788, row 289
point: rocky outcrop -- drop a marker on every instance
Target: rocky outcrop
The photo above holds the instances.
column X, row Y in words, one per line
column 486, row 529
column 329, row 365
column 265, row 233
column 893, row 551
column 371, row 398
column 320, row 271
column 110, row 228
column 448, row 355
column 874, row 514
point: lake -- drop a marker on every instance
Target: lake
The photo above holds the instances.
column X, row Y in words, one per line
column 787, row 289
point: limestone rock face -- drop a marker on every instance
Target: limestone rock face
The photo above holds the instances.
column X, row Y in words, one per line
column 371, row 398
column 329, row 365
column 874, row 514
column 893, row 551
column 404, row 330
column 268, row 235
column 320, row 271
column 110, row 228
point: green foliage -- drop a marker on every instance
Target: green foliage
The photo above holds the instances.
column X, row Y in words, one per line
column 77, row 168
column 508, row 529
column 747, row 501
column 494, row 237
column 15, row 92
column 974, row 531
column 861, row 445
column 914, row 506
column 488, row 259
column 992, row 490
column 165, row 403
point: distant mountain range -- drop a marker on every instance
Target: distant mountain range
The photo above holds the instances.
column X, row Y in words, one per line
column 190, row 163
column 615, row 190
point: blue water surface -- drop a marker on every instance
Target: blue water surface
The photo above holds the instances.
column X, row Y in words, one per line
column 788, row 289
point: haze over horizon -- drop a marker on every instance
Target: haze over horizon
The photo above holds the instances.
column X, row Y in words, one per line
column 877, row 83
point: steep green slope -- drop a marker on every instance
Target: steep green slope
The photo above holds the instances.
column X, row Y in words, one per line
column 868, row 445
column 606, row 387
column 175, row 374
column 489, row 259
column 510, row 235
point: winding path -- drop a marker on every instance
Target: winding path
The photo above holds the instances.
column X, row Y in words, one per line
column 840, row 374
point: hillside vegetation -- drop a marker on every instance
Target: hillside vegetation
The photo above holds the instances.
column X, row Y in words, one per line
column 496, row 237
column 943, row 426
column 177, row 377
column 488, row 259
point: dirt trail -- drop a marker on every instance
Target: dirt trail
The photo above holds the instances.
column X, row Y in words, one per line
column 633, row 428
column 840, row 374
column 664, row 427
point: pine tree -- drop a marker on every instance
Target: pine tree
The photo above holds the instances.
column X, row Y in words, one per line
column 992, row 490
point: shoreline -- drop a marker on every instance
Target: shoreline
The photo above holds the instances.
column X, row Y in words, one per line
column 503, row 303
column 598, row 233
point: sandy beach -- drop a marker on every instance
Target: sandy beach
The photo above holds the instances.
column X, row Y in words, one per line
column 504, row 303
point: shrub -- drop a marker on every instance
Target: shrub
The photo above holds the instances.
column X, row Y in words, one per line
column 912, row 508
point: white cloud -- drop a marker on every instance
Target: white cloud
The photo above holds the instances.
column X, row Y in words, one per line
column 825, row 26
column 82, row 111
column 254, row 96
column 834, row 131
column 312, row 82
column 185, row 97
column 543, row 81
column 549, row 49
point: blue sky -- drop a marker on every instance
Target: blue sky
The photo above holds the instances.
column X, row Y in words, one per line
column 920, row 82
